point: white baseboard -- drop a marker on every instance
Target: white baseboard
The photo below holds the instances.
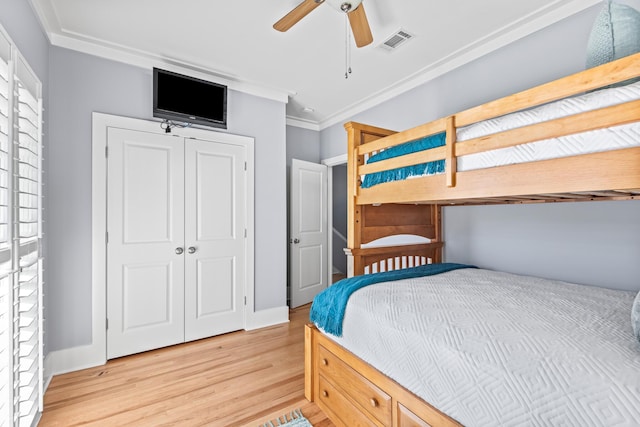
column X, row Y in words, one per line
column 47, row 375
column 269, row 317
column 72, row 359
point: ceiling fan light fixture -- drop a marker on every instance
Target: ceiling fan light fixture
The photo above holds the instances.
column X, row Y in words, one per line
column 345, row 6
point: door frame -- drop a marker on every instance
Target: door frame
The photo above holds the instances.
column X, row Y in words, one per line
column 96, row 353
column 330, row 163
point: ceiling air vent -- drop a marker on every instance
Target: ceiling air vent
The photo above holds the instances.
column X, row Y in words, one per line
column 396, row 40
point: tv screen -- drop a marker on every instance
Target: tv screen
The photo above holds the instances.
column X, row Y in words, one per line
column 187, row 99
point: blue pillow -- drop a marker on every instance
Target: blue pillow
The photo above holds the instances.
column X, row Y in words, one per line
column 635, row 317
column 615, row 34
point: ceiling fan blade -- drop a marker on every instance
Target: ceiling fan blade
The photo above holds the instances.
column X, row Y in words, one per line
column 299, row 12
column 360, row 26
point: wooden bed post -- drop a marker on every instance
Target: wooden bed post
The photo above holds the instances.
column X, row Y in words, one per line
column 309, row 369
column 436, row 218
column 353, row 215
column 351, row 173
column 451, row 163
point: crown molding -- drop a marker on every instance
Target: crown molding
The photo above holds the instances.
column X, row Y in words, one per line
column 302, row 123
column 46, row 14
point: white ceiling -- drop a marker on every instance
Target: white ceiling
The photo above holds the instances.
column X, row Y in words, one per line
column 233, row 42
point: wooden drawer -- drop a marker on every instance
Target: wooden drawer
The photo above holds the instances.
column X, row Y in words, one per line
column 406, row 418
column 334, row 403
column 361, row 391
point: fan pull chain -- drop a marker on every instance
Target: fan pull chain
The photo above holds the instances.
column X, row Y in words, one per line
column 347, row 47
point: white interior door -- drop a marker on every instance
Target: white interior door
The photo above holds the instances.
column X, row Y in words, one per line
column 215, row 238
column 145, row 225
column 308, row 233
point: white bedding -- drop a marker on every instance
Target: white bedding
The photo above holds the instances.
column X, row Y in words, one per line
column 584, row 143
column 495, row 349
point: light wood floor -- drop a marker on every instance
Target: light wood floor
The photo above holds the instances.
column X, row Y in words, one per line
column 237, row 379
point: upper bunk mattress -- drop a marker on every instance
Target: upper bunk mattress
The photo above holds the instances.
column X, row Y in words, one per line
column 496, row 349
column 613, row 138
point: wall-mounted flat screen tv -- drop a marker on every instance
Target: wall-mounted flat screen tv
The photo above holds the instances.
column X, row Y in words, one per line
column 187, row 99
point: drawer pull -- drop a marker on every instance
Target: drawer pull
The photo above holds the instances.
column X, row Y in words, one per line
column 325, row 362
column 374, row 402
column 325, row 393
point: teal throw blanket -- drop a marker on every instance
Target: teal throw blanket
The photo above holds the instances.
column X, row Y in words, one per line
column 398, row 174
column 327, row 310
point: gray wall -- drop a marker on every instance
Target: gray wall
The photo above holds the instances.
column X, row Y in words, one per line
column 19, row 20
column 555, row 241
column 82, row 84
column 302, row 144
column 339, row 216
column 594, row 243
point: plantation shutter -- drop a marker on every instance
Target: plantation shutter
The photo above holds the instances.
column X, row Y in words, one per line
column 21, row 308
column 28, row 319
column 6, row 285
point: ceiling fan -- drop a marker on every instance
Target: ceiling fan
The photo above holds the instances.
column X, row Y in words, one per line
column 353, row 8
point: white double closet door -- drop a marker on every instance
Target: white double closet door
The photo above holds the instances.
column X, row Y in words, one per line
column 176, row 240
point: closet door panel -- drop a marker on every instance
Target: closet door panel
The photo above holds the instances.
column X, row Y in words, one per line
column 215, row 218
column 139, row 282
column 215, row 208
column 147, row 192
column 212, row 300
column 145, row 275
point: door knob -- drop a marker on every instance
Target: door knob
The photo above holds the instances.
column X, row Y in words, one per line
column 179, row 251
column 192, row 250
column 296, row 241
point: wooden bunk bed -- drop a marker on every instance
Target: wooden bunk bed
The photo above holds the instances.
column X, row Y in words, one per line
column 351, row 391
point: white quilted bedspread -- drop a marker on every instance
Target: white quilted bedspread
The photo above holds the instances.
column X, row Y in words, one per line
column 495, row 349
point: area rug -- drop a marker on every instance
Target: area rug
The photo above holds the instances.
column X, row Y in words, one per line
column 292, row 419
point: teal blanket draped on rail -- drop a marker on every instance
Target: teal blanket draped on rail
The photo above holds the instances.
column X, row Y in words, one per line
column 327, row 310
column 398, row 174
